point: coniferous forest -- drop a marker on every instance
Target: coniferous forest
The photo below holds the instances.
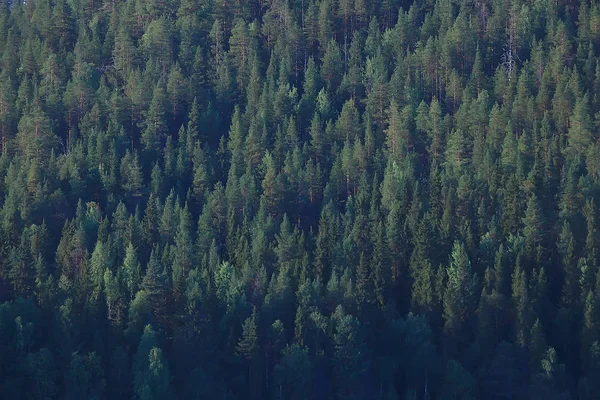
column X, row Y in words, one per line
column 300, row 199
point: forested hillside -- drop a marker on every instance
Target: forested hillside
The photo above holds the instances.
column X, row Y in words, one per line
column 299, row 199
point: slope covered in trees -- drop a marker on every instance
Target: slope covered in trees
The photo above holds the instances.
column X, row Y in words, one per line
column 299, row 199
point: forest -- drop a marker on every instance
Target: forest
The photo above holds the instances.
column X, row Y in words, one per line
column 300, row 199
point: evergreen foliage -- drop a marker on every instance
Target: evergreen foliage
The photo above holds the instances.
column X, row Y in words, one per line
column 303, row 199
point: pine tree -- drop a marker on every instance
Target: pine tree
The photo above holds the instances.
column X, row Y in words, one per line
column 201, row 177
column 332, row 64
column 533, row 229
column 537, row 345
column 248, row 347
column 132, row 178
column 84, row 377
column 115, row 299
column 272, row 186
column 566, row 248
column 155, row 288
column 240, row 46
column 350, row 358
column 62, row 34
column 79, row 91
column 363, row 282
column 591, row 239
column 130, row 271
column 184, row 257
column 21, row 268
column 522, row 306
column 235, row 143
column 156, row 123
column 458, row 151
column 393, row 133
column 421, row 269
column 124, row 52
column 7, row 110
column 458, row 296
column 396, row 242
column 35, row 137
column 178, row 94
column 580, row 131
column 151, row 373
column 293, row 374
column 591, row 319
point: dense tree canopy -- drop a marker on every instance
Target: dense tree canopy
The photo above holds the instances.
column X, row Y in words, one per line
column 299, row 199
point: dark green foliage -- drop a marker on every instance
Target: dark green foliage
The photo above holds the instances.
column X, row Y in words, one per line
column 85, row 377
column 293, row 374
column 299, row 199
